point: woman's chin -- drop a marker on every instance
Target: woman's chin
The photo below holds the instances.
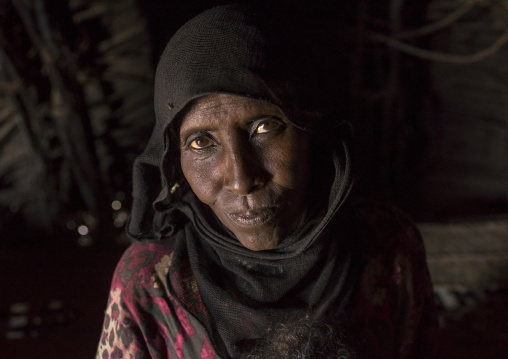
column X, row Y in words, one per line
column 260, row 241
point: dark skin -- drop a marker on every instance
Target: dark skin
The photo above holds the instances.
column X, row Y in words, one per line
column 249, row 164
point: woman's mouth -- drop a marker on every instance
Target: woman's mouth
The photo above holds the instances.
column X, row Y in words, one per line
column 251, row 217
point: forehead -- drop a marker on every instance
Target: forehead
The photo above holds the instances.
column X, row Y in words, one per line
column 218, row 109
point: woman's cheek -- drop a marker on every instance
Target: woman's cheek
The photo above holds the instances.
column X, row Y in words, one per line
column 289, row 164
column 202, row 176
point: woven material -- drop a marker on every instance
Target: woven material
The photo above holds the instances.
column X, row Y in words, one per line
column 238, row 50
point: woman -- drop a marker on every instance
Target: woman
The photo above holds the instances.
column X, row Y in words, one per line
column 253, row 248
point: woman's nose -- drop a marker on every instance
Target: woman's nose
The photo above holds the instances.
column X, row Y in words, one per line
column 243, row 171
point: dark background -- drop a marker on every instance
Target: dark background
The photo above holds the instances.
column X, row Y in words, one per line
column 425, row 89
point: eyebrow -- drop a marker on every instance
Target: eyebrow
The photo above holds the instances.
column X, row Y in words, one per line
column 184, row 134
column 253, row 119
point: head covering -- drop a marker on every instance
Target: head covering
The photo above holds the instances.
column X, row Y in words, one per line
column 239, row 50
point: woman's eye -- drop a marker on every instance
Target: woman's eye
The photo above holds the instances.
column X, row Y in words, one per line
column 201, row 143
column 267, row 126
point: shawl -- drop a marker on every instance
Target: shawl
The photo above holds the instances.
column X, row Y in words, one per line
column 241, row 50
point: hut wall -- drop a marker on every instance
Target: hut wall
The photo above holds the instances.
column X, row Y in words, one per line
column 467, row 123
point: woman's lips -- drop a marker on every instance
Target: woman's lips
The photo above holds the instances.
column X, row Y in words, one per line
column 251, row 217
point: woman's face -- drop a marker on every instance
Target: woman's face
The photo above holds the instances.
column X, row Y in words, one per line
column 244, row 159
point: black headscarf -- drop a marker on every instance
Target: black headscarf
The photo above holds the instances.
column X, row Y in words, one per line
column 239, row 50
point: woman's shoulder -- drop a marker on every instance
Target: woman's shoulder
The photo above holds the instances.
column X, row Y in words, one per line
column 393, row 310
column 140, row 301
column 389, row 241
column 382, row 227
column 141, row 261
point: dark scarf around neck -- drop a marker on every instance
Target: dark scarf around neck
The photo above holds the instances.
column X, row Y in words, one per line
column 245, row 292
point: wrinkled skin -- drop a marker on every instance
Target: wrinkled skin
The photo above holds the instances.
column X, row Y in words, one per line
column 244, row 159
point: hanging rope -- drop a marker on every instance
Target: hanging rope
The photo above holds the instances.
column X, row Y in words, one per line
column 395, row 42
column 438, row 25
column 439, row 56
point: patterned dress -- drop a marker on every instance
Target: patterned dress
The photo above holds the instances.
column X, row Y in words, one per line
column 392, row 315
